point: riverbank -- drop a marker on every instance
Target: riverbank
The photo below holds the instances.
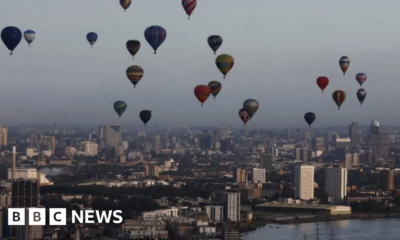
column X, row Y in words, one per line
column 262, row 221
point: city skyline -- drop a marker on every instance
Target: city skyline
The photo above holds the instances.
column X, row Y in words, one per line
column 62, row 75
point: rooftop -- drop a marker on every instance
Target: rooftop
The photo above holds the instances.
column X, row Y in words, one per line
column 303, row 206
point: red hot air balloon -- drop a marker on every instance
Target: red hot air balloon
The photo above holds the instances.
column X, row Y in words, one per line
column 322, row 82
column 339, row 97
column 189, row 6
column 243, row 115
column 202, row 92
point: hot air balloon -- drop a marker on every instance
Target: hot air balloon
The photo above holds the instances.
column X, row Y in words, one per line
column 344, row 64
column 133, row 47
column 224, row 63
column 251, row 107
column 29, row 36
column 243, row 115
column 125, row 4
column 145, row 115
column 11, row 37
column 92, row 38
column 309, row 117
column 215, row 87
column 322, row 82
column 361, row 78
column 214, row 42
column 339, row 97
column 202, row 92
column 155, row 36
column 120, row 107
column 134, row 74
column 361, row 95
column 189, row 6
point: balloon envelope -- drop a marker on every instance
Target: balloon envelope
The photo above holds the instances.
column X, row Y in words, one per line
column 339, row 97
column 145, row 116
column 361, row 78
column 224, row 63
column 155, row 36
column 120, row 107
column 11, row 37
column 322, row 82
column 310, row 118
column 361, row 95
column 133, row 47
column 29, row 36
column 243, row 115
column 251, row 107
column 125, row 4
column 91, row 37
column 215, row 87
column 134, row 74
column 189, row 6
column 214, row 42
column 202, row 92
column 344, row 64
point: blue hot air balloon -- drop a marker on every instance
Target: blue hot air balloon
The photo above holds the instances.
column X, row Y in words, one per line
column 120, row 107
column 92, row 38
column 155, row 36
column 29, row 36
column 11, row 37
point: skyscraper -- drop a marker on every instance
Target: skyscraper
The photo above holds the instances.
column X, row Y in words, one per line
column 387, row 180
column 379, row 141
column 109, row 136
column 259, row 175
column 266, row 162
column 336, row 184
column 4, row 137
column 233, row 206
column 304, row 182
column 156, row 143
column 353, row 134
column 239, row 175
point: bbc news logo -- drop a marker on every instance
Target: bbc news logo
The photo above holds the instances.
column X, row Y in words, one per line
column 58, row 216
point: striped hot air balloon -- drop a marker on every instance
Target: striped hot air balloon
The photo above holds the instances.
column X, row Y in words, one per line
column 120, row 107
column 134, row 74
column 215, row 87
column 29, row 36
column 155, row 36
column 224, row 63
column 202, row 92
column 361, row 78
column 344, row 64
column 189, row 6
column 339, row 97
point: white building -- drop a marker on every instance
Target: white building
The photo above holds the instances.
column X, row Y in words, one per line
column 259, row 175
column 336, row 184
column 169, row 212
column 89, row 148
column 233, row 209
column 29, row 174
column 304, row 182
column 141, row 229
column 215, row 213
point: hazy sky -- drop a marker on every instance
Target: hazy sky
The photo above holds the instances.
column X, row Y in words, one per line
column 280, row 48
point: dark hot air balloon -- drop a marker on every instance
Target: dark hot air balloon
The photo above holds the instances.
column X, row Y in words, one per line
column 134, row 74
column 202, row 92
column 120, row 107
column 322, row 82
column 344, row 64
column 189, row 6
column 133, row 47
column 29, row 36
column 310, row 118
column 361, row 95
column 214, row 42
column 155, row 36
column 224, row 63
column 361, row 78
column 125, row 4
column 243, row 115
column 11, row 37
column 339, row 97
column 145, row 115
column 215, row 87
column 251, row 107
column 92, row 38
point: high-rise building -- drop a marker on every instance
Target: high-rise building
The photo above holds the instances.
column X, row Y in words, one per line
column 331, row 136
column 239, row 175
column 109, row 136
column 318, row 143
column 266, row 162
column 156, row 145
column 379, row 141
column 152, row 170
column 215, row 213
column 387, row 180
column 353, row 134
column 225, row 132
column 89, row 148
column 34, row 139
column 304, row 182
column 233, row 206
column 302, row 154
column 4, row 137
column 336, row 184
column 259, row 175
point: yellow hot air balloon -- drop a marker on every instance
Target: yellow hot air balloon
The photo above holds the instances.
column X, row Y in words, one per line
column 224, row 63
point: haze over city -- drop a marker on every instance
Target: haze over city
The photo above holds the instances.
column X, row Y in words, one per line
column 279, row 49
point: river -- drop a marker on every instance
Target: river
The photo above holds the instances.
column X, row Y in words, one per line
column 365, row 229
